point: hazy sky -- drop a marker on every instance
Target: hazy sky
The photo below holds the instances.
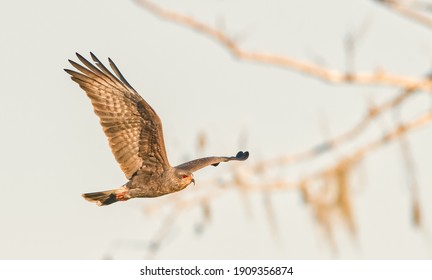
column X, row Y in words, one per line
column 53, row 149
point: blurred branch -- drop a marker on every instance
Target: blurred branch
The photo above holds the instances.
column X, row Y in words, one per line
column 352, row 42
column 408, row 11
column 399, row 131
column 161, row 233
column 362, row 151
column 412, row 179
column 377, row 77
column 410, row 169
column 331, row 144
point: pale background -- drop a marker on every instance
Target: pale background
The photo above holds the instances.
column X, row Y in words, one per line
column 53, row 149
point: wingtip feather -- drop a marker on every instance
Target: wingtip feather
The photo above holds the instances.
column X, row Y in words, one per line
column 242, row 155
column 95, row 59
column 79, row 56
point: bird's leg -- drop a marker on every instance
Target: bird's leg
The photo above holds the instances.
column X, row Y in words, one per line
column 121, row 196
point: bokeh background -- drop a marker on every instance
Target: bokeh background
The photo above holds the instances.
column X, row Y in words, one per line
column 53, row 148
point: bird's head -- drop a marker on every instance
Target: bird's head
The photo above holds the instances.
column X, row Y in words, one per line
column 184, row 178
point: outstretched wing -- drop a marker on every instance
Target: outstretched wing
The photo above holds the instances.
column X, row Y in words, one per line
column 133, row 128
column 197, row 164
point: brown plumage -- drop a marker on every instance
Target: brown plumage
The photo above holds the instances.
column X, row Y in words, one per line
column 134, row 133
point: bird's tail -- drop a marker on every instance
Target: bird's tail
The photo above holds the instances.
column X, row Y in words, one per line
column 106, row 197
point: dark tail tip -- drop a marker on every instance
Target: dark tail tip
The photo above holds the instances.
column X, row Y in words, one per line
column 101, row 198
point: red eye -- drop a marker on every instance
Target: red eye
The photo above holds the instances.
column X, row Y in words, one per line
column 184, row 176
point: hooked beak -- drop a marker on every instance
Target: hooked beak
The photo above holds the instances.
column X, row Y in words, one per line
column 193, row 181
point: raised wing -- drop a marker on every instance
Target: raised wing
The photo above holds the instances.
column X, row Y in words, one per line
column 197, row 164
column 133, row 128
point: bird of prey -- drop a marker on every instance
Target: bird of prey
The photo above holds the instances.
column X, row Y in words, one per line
column 134, row 133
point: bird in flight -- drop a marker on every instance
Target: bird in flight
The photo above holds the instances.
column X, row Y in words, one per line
column 134, row 133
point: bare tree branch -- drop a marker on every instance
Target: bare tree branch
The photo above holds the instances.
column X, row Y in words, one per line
column 408, row 11
column 377, row 77
column 331, row 144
